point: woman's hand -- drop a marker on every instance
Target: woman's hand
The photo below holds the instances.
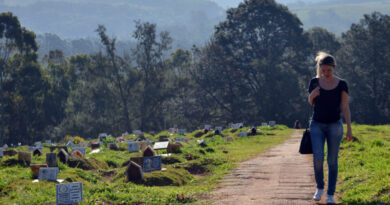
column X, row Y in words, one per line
column 314, row 93
column 349, row 135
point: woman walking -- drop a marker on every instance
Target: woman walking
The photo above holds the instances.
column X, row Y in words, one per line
column 329, row 96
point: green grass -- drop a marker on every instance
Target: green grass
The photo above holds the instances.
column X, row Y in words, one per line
column 364, row 166
column 108, row 182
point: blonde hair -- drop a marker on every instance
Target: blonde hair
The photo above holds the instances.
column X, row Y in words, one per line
column 324, row 58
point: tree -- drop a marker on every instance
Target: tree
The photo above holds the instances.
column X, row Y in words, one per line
column 363, row 61
column 149, row 57
column 262, row 46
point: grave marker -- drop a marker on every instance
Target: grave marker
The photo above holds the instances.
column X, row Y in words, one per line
column 112, row 146
column 218, row 128
column 137, row 132
column 48, row 174
column 133, row 147
column 148, row 152
column 151, row 163
column 5, row 146
column 63, row 155
column 69, row 193
column 264, row 124
column 160, row 145
column 35, row 168
column 1, row 153
column 181, row 131
column 207, row 127
column 134, row 172
column 48, row 142
column 80, row 149
column 173, row 147
column 24, row 157
column 143, row 145
column 51, row 160
column 38, row 151
column 38, row 144
column 243, row 134
column 272, row 123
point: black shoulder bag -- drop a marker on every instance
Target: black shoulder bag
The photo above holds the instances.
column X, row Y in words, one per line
column 305, row 147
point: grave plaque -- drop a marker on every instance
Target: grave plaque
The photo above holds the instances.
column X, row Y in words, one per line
column 48, row 142
column 1, row 153
column 5, row 146
column 272, row 123
column 69, row 193
column 264, row 124
column 180, row 139
column 38, row 144
column 80, row 149
column 207, row 127
column 137, row 132
column 51, row 160
column 243, row 134
column 48, row 174
column 151, row 163
column 133, row 147
column 160, row 145
column 181, row 131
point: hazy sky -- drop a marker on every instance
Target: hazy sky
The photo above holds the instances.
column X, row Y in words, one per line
column 234, row 3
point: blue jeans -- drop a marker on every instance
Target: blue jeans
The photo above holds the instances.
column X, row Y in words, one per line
column 333, row 133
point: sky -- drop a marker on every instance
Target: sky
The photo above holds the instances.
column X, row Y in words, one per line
column 233, row 3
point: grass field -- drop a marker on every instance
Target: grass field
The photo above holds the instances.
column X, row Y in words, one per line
column 193, row 172
column 364, row 166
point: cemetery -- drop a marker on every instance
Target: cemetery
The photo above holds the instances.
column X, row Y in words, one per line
column 167, row 167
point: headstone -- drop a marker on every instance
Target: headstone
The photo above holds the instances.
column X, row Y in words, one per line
column 81, row 149
column 143, row 145
column 264, row 124
column 151, row 163
column 1, row 153
column 5, row 146
column 112, row 146
column 182, row 132
column 38, row 151
column 172, row 130
column 243, row 134
column 48, row 142
column 272, row 123
column 137, row 132
column 180, row 139
column 19, row 144
column 51, row 160
column 134, row 172
column 207, row 127
column 253, row 131
column 133, row 147
column 48, row 174
column 24, row 157
column 69, row 193
column 163, row 138
column 172, row 148
column 218, row 128
column 95, row 145
column 228, row 138
column 148, row 152
column 160, row 145
column 38, row 144
column 63, row 155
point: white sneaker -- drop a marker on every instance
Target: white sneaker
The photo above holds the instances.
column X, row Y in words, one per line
column 330, row 199
column 317, row 196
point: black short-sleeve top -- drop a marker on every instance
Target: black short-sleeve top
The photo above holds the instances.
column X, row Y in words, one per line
column 327, row 106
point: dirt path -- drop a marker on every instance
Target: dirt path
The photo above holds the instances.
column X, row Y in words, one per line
column 279, row 176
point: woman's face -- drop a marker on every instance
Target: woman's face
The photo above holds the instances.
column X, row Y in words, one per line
column 326, row 71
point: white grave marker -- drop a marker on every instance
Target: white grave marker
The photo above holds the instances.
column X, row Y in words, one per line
column 48, row 142
column 48, row 174
column 264, row 124
column 272, row 123
column 207, row 127
column 69, row 193
column 160, row 145
column 1, row 153
column 137, row 132
column 218, row 128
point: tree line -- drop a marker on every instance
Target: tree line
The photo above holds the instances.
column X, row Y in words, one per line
column 255, row 68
